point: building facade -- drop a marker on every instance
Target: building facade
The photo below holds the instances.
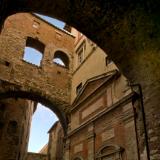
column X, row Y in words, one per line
column 101, row 119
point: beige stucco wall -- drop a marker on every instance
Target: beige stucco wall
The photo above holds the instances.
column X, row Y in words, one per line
column 114, row 92
column 90, row 67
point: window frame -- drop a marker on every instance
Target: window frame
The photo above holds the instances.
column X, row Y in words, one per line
column 80, row 51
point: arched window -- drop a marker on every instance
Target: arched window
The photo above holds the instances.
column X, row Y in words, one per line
column 61, row 58
column 33, row 51
column 107, row 152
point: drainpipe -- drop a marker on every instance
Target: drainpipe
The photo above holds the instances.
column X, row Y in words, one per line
column 143, row 115
column 134, row 110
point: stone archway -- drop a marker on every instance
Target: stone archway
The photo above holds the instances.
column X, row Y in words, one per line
column 129, row 31
column 48, row 82
column 8, row 90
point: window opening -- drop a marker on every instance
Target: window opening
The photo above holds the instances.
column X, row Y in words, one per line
column 80, row 56
column 58, row 61
column 33, row 51
column 32, row 56
column 61, row 59
column 80, row 53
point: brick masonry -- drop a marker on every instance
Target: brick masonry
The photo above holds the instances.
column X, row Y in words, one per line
column 48, row 83
column 15, row 121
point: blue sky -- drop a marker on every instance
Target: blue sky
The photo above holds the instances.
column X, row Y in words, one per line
column 42, row 121
column 43, row 118
column 53, row 21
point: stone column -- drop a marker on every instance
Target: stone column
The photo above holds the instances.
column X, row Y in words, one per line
column 91, row 142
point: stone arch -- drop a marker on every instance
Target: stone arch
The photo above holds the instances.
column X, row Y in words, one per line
column 63, row 57
column 109, row 150
column 13, row 91
column 28, row 81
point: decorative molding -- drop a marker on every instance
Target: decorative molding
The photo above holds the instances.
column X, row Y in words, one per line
column 106, row 110
column 109, row 76
column 114, row 150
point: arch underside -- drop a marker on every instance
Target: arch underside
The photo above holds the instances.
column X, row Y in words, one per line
column 8, row 90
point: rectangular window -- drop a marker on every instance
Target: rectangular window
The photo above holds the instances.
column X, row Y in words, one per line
column 80, row 53
column 80, row 56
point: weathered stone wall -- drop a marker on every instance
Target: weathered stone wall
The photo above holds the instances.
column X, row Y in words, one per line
column 49, row 83
column 15, row 115
column 48, row 79
column 44, row 150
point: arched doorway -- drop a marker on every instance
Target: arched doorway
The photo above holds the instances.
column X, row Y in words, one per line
column 38, row 98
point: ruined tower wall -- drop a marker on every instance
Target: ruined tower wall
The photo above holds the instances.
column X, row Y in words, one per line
column 15, row 124
column 48, row 80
